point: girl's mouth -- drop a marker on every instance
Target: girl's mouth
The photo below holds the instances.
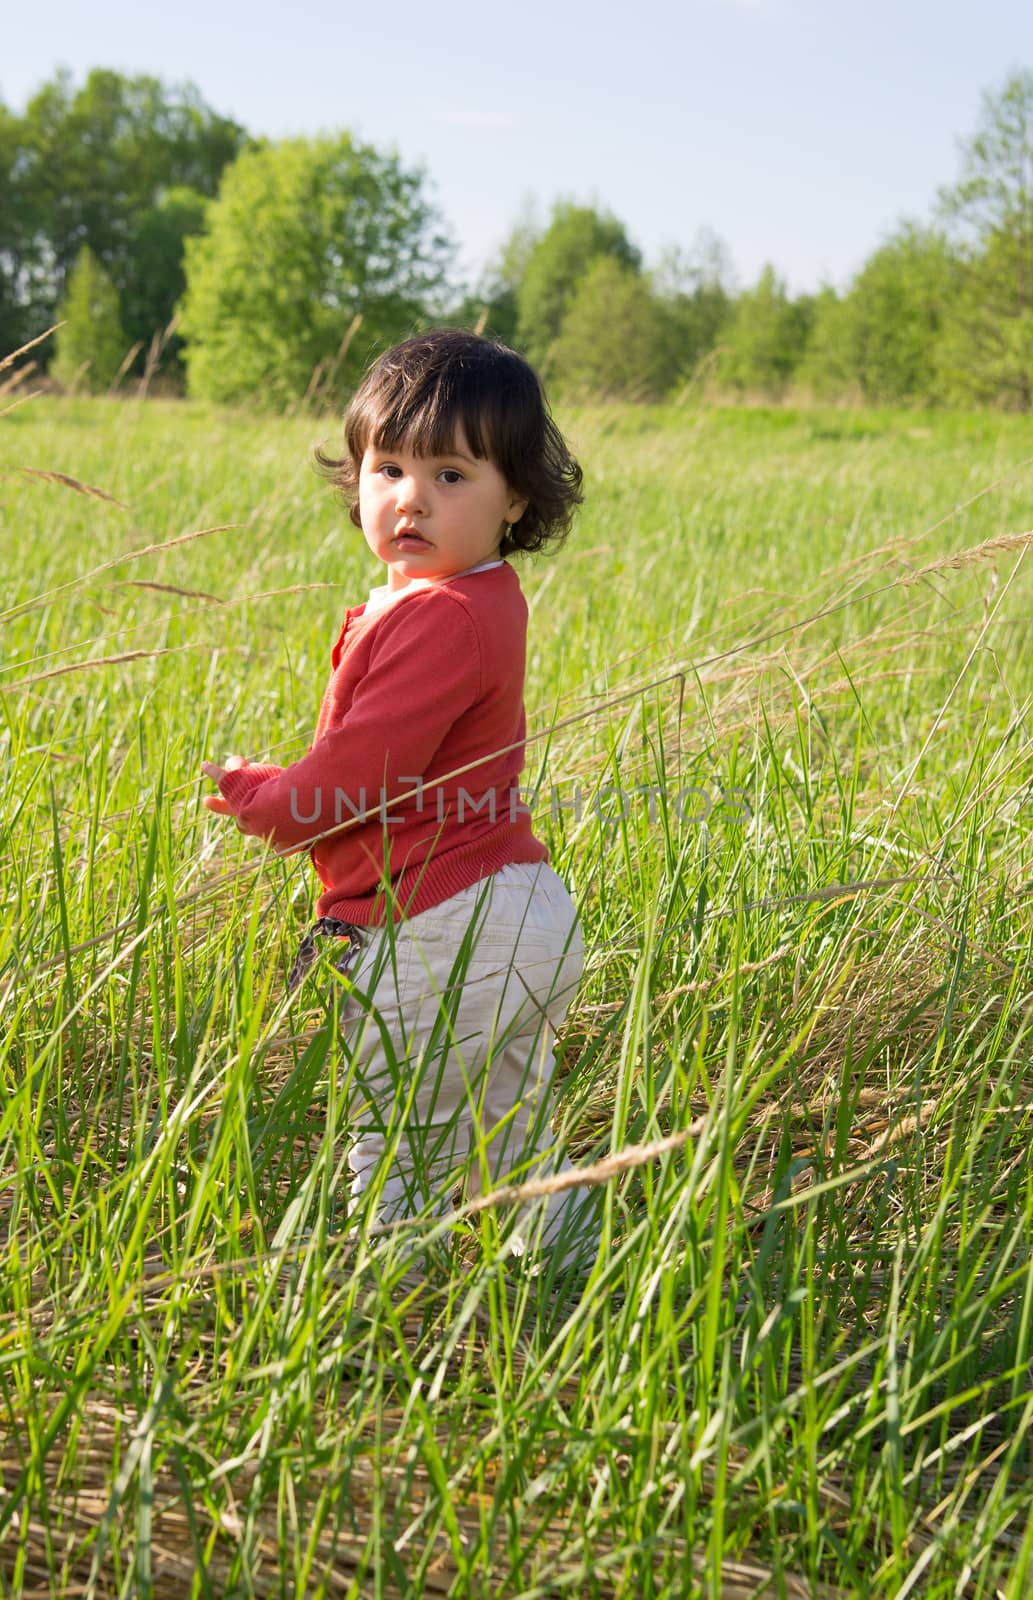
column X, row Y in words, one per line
column 411, row 541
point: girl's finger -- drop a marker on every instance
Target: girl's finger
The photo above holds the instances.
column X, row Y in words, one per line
column 215, row 802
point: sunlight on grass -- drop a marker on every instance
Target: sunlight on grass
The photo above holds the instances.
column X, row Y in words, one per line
column 780, row 717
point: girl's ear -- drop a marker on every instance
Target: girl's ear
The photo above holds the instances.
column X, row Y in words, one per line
column 515, row 510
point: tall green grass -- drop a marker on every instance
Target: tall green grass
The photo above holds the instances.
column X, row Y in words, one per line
column 800, row 1362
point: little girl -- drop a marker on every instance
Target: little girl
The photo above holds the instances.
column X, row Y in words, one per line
column 461, row 944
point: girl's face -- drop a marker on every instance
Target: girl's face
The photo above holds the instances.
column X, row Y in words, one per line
column 433, row 516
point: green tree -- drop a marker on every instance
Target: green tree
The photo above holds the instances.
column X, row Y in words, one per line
column 829, row 366
column 14, row 323
column 576, row 236
column 985, row 355
column 695, row 286
column 766, row 337
column 883, row 338
column 306, row 235
column 987, row 351
column 156, row 276
column 91, row 346
column 492, row 303
column 615, row 341
column 93, row 165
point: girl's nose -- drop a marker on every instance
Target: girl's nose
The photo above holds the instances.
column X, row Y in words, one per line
column 408, row 497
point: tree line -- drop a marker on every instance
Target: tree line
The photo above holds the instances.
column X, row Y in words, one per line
column 168, row 240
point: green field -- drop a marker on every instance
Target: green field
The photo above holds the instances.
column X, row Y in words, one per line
column 801, row 1364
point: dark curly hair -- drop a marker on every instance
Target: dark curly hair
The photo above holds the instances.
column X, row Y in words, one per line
column 422, row 393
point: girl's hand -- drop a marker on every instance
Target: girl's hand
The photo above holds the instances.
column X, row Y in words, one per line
column 211, row 769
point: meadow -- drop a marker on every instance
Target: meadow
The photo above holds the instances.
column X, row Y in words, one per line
column 780, row 707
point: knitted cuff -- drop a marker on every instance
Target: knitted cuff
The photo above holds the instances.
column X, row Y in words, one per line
column 239, row 785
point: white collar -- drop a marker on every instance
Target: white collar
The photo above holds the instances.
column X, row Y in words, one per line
column 383, row 595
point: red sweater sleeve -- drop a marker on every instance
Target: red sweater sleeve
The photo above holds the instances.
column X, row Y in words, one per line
column 242, row 781
column 424, row 672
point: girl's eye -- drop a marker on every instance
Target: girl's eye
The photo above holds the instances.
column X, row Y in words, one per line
column 389, row 470
column 450, row 475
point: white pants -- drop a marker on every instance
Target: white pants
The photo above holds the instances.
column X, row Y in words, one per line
column 453, row 1015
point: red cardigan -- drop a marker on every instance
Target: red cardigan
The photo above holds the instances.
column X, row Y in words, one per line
column 422, row 687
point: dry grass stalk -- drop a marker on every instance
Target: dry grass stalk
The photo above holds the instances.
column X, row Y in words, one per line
column 154, row 355
column 21, row 399
column 115, row 561
column 167, row 588
column 78, row 1502
column 8, row 361
column 17, row 378
column 127, row 361
column 965, row 558
column 68, row 482
column 100, row 661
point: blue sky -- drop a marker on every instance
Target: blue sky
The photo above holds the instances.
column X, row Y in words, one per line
column 800, row 131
